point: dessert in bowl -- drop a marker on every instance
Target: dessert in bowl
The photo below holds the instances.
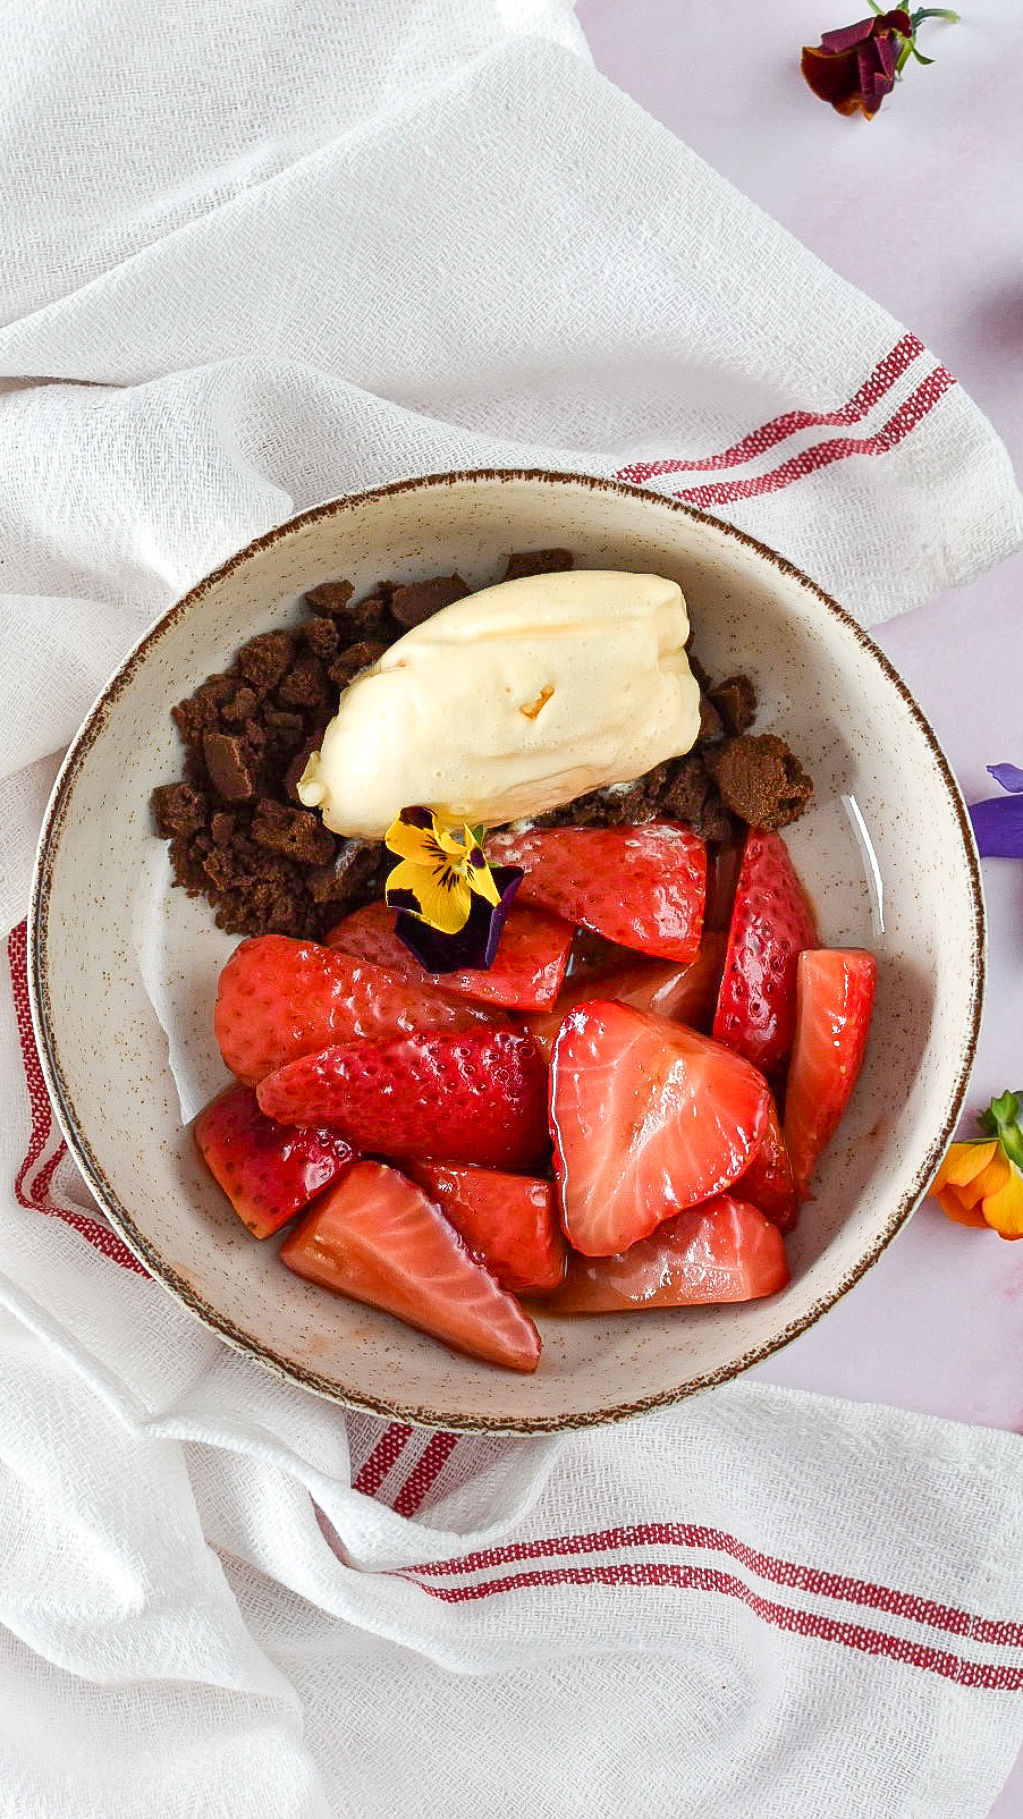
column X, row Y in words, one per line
column 884, row 853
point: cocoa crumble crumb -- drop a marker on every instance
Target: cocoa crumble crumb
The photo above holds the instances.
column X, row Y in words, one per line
column 332, row 597
column 735, row 702
column 537, row 562
column 760, row 780
column 414, row 604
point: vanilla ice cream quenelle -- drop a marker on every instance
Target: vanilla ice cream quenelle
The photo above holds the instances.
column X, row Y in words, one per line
column 510, row 702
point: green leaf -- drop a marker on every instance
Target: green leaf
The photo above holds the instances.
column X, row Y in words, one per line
column 1002, row 1120
column 904, row 56
column 919, row 57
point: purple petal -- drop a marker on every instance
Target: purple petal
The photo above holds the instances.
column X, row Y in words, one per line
column 475, row 945
column 1008, row 775
column 998, row 826
column 848, row 37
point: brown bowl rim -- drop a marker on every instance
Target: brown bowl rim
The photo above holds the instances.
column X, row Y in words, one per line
column 122, row 1221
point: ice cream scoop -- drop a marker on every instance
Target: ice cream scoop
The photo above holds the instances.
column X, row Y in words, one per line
column 511, row 702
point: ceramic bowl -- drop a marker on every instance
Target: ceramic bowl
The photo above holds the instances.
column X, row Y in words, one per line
column 124, row 969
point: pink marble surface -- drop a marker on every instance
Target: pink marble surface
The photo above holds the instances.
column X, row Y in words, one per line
column 921, row 208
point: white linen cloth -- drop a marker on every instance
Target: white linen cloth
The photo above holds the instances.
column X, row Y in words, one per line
column 256, row 255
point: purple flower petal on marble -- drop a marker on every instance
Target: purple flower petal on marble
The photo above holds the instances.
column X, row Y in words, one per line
column 998, row 826
column 475, row 945
column 1008, row 775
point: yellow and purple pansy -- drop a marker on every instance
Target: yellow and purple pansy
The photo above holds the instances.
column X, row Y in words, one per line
column 451, row 906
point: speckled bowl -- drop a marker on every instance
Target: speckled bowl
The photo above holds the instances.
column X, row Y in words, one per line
column 886, row 853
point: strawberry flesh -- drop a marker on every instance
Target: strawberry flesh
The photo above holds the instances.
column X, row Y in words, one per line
column 473, row 1096
column 685, row 993
column 835, row 1001
column 647, row 1118
column 771, row 925
column 769, row 1183
column 379, row 1239
column 724, row 1250
column 643, row 887
column 268, row 1171
column 507, row 1221
column 526, row 973
column 280, row 998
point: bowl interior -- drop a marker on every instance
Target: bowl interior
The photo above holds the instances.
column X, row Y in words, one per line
column 125, row 969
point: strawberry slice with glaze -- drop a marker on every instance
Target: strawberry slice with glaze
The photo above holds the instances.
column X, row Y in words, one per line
column 268, row 1171
column 526, row 974
column 769, row 1183
column 686, row 994
column 280, row 998
column 379, row 1239
column 647, row 1118
column 473, row 1096
column 643, row 887
column 507, row 1221
column 835, row 1001
column 724, row 1250
column 771, row 925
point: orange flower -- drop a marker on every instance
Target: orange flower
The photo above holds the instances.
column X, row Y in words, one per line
column 981, row 1183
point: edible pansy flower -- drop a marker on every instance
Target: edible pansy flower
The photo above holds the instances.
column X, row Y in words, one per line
column 981, row 1182
column 998, row 820
column 475, row 945
column 856, row 68
column 442, row 868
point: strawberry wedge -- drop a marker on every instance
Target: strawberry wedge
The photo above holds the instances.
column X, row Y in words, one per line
column 472, row 1096
column 647, row 1118
column 835, row 1001
column 769, row 1183
column 771, row 925
column 685, row 993
column 281, row 998
column 526, row 974
column 721, row 1251
column 643, row 887
column 507, row 1221
column 379, row 1239
column 268, row 1171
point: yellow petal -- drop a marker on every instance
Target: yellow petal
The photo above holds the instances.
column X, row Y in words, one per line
column 1003, row 1209
column 963, row 1162
column 481, row 880
column 454, row 844
column 419, row 844
column 442, row 898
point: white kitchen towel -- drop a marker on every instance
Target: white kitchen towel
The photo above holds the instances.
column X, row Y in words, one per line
column 256, row 255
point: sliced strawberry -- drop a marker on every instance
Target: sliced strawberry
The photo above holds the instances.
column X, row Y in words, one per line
column 685, row 993
column 647, row 1118
column 380, row 1240
column 475, row 1096
column 507, row 1221
column 723, row 862
column 835, row 1000
column 769, row 1183
column 771, row 925
column 643, row 887
column 268, row 1171
column 280, row 998
column 526, row 974
column 724, row 1250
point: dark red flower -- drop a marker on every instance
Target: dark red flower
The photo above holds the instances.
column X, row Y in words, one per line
column 856, row 68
